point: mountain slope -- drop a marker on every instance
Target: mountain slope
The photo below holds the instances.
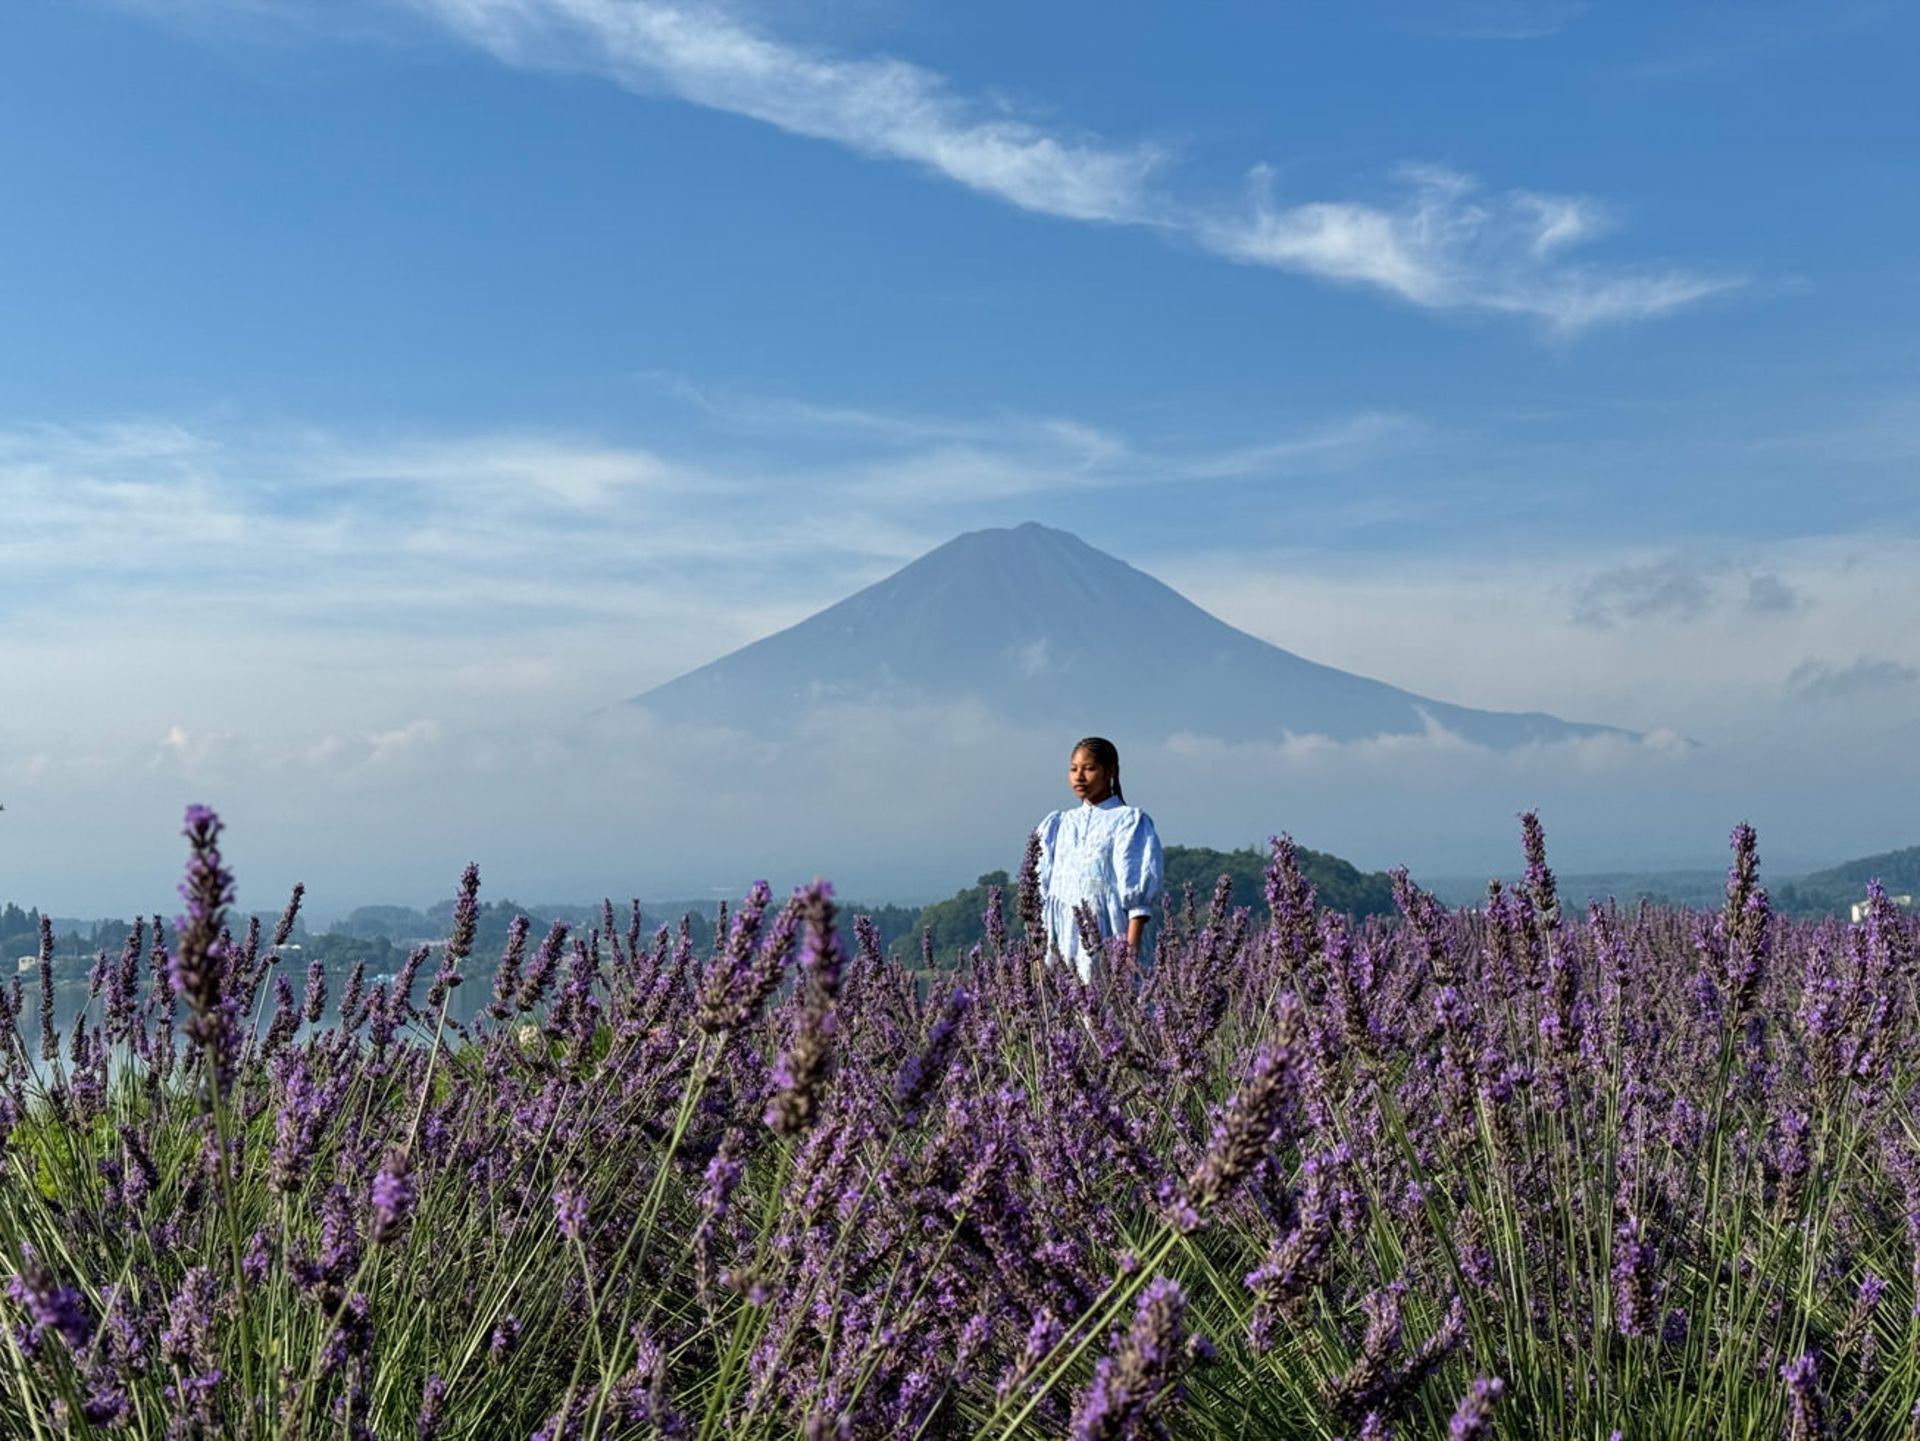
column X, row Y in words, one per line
column 1036, row 624
column 1832, row 891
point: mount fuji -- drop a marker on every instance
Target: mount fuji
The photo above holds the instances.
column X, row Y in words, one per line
column 1037, row 626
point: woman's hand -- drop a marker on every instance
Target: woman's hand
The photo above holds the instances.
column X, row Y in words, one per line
column 1136, row 930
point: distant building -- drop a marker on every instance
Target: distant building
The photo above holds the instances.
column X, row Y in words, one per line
column 27, row 963
column 1905, row 903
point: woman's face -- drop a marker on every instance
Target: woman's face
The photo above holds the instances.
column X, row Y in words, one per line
column 1090, row 780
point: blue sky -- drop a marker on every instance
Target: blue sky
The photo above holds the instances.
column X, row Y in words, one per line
column 384, row 379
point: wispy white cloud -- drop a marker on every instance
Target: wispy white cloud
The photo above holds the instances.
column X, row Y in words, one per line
column 1443, row 243
column 1367, row 437
column 878, row 106
column 1446, row 244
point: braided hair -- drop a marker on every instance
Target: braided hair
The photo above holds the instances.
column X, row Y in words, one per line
column 1105, row 755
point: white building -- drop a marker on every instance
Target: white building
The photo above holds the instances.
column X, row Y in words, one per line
column 1905, row 903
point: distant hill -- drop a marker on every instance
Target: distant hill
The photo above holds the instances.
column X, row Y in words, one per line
column 957, row 923
column 1037, row 625
column 1835, row 889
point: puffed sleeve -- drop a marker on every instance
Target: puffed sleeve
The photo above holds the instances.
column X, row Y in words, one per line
column 1048, row 830
column 1138, row 864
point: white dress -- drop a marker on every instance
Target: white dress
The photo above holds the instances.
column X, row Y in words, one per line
column 1106, row 856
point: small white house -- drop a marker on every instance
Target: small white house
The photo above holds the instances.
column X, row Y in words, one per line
column 28, row 963
column 1905, row 903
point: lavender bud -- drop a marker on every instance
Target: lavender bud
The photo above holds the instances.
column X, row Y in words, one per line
column 1473, row 1417
column 1140, row 1376
column 393, row 1195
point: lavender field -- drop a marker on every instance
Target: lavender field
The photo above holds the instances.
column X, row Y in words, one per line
column 1500, row 1172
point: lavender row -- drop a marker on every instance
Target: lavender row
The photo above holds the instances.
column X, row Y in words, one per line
column 1490, row 1172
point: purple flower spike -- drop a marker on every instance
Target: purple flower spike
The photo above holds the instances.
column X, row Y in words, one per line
column 49, row 1038
column 200, row 963
column 187, row 1341
column 393, row 1195
column 1473, row 1417
column 1244, row 1131
column 1141, row 1374
column 432, row 1397
column 504, row 1339
column 800, row 1072
column 466, row 921
column 50, row 1307
column 283, row 932
column 570, row 1212
column 1806, row 1420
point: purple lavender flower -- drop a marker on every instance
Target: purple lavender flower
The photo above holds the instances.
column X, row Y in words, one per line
column 123, row 982
column 506, row 978
column 1745, row 928
column 340, row 1248
column 1028, row 902
column 141, row 1175
column 1632, row 1278
column 466, row 921
column 191, row 1401
column 1807, row 1418
column 187, row 1342
column 350, row 996
column 49, row 1038
column 570, row 1211
column 639, row 1398
column 533, row 986
column 1540, row 885
column 304, row 1111
column 1292, row 900
column 504, row 1339
column 433, row 1397
column 392, row 1197
column 729, row 991
column 106, row 1403
column 1140, row 1377
column 1297, row 1263
column 50, row 1306
column 257, row 1260
column 316, row 997
column 801, row 1069
column 283, row 932
column 352, row 1333
column 200, row 963
column 1473, row 1417
column 723, row 1175
column 1244, row 1129
column 922, row 1071
column 1370, row 1378
column 401, row 1002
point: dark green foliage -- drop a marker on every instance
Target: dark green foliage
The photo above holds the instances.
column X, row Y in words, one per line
column 957, row 923
column 1833, row 891
column 1342, row 886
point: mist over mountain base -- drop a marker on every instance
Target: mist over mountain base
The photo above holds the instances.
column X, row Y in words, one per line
column 909, row 803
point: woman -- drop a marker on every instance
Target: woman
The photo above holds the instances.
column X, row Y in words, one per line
column 1103, row 854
